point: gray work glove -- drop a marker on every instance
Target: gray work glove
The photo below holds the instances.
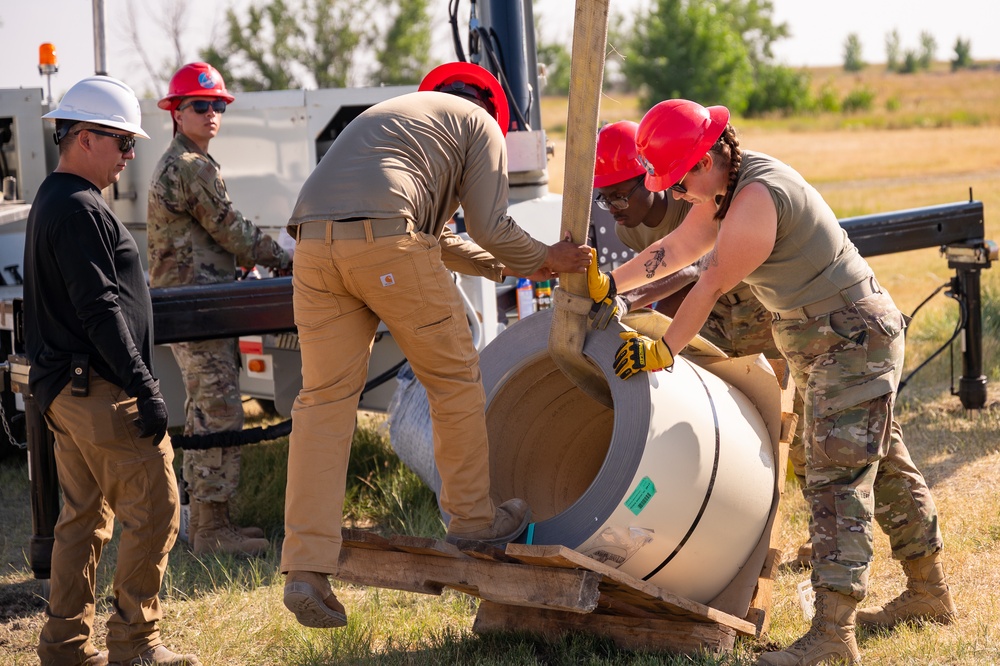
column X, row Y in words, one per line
column 610, row 309
column 152, row 419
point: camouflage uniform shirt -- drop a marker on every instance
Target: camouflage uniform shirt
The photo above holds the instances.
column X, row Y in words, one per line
column 195, row 235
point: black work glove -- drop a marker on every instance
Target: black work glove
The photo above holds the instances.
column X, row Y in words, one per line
column 152, row 419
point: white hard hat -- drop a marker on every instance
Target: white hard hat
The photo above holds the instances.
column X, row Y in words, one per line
column 101, row 100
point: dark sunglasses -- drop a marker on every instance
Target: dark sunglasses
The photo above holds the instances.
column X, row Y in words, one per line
column 618, row 203
column 125, row 142
column 201, row 106
column 678, row 187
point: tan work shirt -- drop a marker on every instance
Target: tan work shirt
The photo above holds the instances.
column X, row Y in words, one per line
column 419, row 156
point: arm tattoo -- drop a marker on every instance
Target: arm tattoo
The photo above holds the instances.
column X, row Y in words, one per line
column 655, row 262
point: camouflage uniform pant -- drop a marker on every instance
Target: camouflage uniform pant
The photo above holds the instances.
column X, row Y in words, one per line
column 847, row 365
column 740, row 325
column 210, row 369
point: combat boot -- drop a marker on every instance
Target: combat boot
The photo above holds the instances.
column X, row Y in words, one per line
column 509, row 521
column 309, row 596
column 216, row 534
column 926, row 597
column 159, row 656
column 251, row 532
column 830, row 639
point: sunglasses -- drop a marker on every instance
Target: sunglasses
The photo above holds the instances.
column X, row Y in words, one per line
column 201, row 106
column 125, row 142
column 618, row 203
column 678, row 187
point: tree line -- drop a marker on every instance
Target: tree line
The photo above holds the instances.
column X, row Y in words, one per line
column 715, row 51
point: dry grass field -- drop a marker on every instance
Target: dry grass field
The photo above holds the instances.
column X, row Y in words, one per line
column 939, row 139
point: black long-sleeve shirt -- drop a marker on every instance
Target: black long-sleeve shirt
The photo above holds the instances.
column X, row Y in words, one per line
column 84, row 292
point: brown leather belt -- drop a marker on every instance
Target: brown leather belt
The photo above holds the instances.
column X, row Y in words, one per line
column 357, row 229
column 838, row 301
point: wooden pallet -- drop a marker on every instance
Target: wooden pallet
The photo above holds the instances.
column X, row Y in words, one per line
column 543, row 589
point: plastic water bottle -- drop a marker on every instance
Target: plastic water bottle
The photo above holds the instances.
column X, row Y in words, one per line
column 525, row 298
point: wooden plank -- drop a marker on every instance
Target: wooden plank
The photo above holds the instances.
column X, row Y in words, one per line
column 626, row 632
column 760, row 605
column 571, row 590
column 364, row 539
column 560, row 556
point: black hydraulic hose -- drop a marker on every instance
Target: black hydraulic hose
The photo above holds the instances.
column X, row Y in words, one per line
column 453, row 20
column 261, row 433
column 485, row 38
column 962, row 318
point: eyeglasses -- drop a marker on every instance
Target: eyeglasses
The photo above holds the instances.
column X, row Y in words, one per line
column 125, row 142
column 618, row 203
column 678, row 187
column 201, row 106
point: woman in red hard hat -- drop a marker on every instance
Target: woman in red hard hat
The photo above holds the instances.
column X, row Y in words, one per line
column 196, row 235
column 840, row 332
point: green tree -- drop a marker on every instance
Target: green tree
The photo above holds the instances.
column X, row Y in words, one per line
column 283, row 45
column 556, row 60
column 911, row 63
column 852, row 54
column 686, row 49
column 778, row 88
column 963, row 54
column 405, row 57
column 928, row 50
column 892, row 52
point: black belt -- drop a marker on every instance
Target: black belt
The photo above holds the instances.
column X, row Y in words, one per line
column 737, row 296
column 838, row 301
column 352, row 229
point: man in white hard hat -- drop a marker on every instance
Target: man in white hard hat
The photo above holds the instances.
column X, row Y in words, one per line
column 88, row 331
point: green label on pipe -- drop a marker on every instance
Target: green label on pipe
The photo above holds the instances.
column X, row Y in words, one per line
column 640, row 497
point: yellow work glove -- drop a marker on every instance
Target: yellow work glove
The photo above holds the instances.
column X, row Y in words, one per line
column 638, row 353
column 607, row 305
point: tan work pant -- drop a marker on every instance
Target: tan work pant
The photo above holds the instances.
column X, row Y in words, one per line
column 105, row 470
column 341, row 291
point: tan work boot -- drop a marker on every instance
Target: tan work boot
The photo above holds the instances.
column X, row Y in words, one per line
column 216, row 534
column 250, row 532
column 309, row 596
column 926, row 597
column 509, row 521
column 830, row 640
column 160, row 656
column 99, row 659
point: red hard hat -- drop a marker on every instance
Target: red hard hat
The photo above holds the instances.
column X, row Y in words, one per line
column 673, row 136
column 451, row 73
column 196, row 79
column 616, row 155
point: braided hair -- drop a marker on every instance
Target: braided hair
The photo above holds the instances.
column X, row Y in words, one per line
column 728, row 149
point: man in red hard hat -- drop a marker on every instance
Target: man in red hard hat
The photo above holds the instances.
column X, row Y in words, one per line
column 196, row 236
column 372, row 245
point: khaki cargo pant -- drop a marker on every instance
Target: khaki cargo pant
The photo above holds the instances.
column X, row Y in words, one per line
column 105, row 471
column 341, row 291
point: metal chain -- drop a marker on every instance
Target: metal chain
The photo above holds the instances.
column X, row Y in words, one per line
column 6, row 429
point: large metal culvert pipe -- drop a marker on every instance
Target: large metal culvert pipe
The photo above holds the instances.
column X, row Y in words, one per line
column 675, row 485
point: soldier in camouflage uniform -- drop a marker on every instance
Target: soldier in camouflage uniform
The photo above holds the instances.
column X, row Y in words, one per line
column 197, row 237
column 839, row 331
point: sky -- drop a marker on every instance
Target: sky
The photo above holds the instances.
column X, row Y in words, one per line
column 818, row 29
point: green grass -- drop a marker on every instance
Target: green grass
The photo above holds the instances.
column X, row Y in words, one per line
column 229, row 610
